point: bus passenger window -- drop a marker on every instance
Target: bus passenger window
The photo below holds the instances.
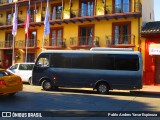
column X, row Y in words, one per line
column 43, row 62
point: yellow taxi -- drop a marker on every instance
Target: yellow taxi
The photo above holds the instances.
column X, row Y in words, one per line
column 9, row 83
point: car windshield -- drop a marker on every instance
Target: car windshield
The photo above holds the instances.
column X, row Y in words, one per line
column 13, row 67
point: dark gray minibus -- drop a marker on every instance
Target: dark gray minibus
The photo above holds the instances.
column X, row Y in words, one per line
column 100, row 70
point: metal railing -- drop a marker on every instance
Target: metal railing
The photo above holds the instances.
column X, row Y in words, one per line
column 84, row 40
column 82, row 13
column 8, row 1
column 9, row 22
column 31, row 43
column 57, row 15
column 52, row 42
column 5, row 1
column 32, row 18
column 6, row 44
column 120, row 39
column 108, row 9
column 21, row 19
column 122, row 8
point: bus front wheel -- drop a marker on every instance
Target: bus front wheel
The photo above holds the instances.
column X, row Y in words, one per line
column 46, row 85
column 102, row 88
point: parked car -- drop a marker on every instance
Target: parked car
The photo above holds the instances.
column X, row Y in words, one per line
column 24, row 70
column 9, row 83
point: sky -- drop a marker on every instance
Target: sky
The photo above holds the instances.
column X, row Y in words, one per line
column 157, row 10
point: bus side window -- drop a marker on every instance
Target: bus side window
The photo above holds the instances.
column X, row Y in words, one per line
column 43, row 61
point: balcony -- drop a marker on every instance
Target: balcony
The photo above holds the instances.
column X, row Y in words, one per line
column 32, row 18
column 32, row 43
column 21, row 19
column 57, row 15
column 120, row 41
column 5, row 1
column 54, row 43
column 82, row 13
column 9, row 22
column 77, row 15
column 6, row 44
column 10, row 1
column 122, row 8
column 53, row 16
column 110, row 11
column 84, row 42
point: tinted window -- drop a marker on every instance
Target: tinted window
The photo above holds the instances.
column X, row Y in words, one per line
column 25, row 66
column 103, row 61
column 61, row 60
column 82, row 61
column 30, row 66
column 127, row 62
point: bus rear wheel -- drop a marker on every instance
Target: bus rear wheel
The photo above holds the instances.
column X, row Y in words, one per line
column 102, row 88
column 46, row 85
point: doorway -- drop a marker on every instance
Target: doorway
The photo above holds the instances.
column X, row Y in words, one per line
column 7, row 62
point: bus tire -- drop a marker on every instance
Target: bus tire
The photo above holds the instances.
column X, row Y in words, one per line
column 46, row 85
column 102, row 88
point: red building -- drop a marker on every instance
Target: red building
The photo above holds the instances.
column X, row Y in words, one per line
column 151, row 46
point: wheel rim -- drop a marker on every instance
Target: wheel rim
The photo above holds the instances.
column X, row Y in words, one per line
column 47, row 85
column 102, row 88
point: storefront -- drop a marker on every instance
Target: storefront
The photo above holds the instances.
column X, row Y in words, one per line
column 151, row 33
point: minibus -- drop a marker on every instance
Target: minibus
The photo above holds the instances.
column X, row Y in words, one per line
column 102, row 70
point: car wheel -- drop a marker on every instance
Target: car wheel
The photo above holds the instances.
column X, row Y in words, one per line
column 102, row 88
column 46, row 85
column 11, row 94
column 30, row 81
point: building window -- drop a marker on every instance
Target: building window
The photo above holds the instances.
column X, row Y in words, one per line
column 121, row 6
column 56, row 37
column 8, row 40
column 86, row 8
column 86, row 35
column 32, row 17
column 121, row 33
column 9, row 1
column 32, row 39
column 9, row 18
column 56, row 12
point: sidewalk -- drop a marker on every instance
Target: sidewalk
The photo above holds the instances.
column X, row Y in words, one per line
column 149, row 89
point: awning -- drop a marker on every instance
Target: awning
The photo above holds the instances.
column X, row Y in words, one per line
column 154, row 49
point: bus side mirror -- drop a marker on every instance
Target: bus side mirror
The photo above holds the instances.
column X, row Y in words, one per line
column 38, row 64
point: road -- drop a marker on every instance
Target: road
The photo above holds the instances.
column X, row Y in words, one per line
column 33, row 98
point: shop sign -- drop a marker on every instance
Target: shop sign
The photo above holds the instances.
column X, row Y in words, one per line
column 154, row 49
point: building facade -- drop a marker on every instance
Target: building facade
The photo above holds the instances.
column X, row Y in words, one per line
column 151, row 51
column 147, row 11
column 74, row 24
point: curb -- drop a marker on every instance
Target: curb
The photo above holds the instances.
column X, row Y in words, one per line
column 147, row 92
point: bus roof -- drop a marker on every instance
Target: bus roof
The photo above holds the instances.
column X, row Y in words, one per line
column 89, row 51
column 110, row 49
